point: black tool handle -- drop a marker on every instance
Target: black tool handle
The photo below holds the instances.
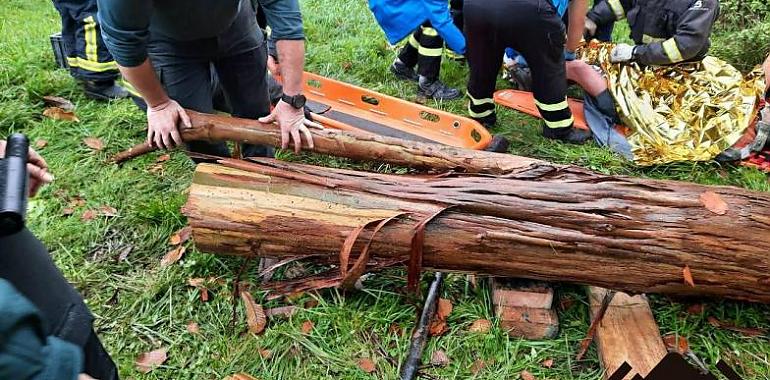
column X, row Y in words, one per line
column 13, row 185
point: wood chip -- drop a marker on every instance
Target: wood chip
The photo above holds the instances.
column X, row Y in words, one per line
column 714, row 203
column 525, row 375
column 439, row 358
column 172, row 256
column 57, row 113
column 687, row 274
column 148, row 361
column 181, row 236
column 307, row 327
column 94, row 143
column 255, row 315
column 480, row 326
column 366, row 365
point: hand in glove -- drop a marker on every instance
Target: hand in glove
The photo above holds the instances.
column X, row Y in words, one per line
column 589, row 30
column 622, row 53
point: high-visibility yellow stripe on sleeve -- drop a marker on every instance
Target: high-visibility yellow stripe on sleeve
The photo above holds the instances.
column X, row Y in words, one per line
column 429, row 31
column 560, row 124
column 478, row 102
column 90, row 35
column 479, row 115
column 648, row 39
column 552, row 107
column 617, row 8
column 430, row 52
column 413, row 42
column 672, row 50
column 96, row 67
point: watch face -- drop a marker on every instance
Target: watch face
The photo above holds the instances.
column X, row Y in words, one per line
column 299, row 101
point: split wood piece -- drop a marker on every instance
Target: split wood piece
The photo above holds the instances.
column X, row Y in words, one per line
column 628, row 333
column 357, row 146
column 546, row 223
column 525, row 308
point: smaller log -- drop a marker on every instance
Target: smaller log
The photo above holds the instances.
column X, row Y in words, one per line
column 525, row 308
column 628, row 333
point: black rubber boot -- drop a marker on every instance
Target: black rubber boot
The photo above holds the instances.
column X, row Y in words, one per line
column 104, row 90
column 435, row 89
column 403, row 72
column 568, row 135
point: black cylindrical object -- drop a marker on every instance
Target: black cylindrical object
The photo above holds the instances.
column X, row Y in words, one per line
column 13, row 185
column 411, row 366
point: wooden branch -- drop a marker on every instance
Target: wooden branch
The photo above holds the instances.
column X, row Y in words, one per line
column 544, row 222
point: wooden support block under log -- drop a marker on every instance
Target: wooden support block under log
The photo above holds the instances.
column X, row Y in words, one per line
column 545, row 223
column 628, row 333
column 525, row 308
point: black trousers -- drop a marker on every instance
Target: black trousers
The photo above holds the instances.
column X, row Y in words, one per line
column 26, row 264
column 424, row 49
column 238, row 57
column 87, row 56
column 534, row 29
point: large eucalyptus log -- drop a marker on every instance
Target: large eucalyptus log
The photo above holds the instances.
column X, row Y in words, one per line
column 542, row 222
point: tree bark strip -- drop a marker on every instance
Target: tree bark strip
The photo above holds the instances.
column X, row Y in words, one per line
column 544, row 222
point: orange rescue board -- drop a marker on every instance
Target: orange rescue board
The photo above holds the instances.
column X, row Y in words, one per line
column 524, row 101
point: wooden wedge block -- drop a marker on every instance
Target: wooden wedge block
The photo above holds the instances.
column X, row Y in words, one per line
column 628, row 333
column 525, row 308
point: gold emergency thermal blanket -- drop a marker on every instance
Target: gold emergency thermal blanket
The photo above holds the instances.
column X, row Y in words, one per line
column 685, row 112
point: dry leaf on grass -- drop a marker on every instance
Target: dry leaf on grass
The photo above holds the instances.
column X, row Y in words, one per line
column 366, row 365
column 747, row 331
column 67, row 211
column 714, row 203
column 255, row 315
column 88, row 215
column 439, row 359
column 58, row 101
column 437, row 328
column 40, row 144
column 94, row 143
column 480, row 326
column 525, row 375
column 163, row 158
column 547, row 363
column 180, row 236
column 265, row 353
column 477, row 366
column 687, row 274
column 57, row 113
column 193, row 328
column 108, row 211
column 443, row 309
column 307, row 327
column 396, row 329
column 241, row 376
column 147, row 361
column 172, row 256
column 676, row 343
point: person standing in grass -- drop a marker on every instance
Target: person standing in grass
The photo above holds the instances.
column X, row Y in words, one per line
column 166, row 50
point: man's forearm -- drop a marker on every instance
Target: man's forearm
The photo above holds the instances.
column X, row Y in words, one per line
column 577, row 19
column 291, row 54
column 145, row 81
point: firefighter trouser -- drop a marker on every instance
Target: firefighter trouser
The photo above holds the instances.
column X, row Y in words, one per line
column 26, row 264
column 456, row 9
column 424, row 49
column 534, row 29
column 87, row 55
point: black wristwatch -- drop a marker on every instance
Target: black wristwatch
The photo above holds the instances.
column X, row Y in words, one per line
column 296, row 101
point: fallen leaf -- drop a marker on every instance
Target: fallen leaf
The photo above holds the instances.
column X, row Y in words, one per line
column 196, row 282
column 123, row 254
column 477, row 366
column 57, row 113
column 108, row 211
column 180, row 236
column 547, row 363
column 40, row 144
column 147, row 361
column 396, row 329
column 714, row 203
column 204, row 294
column 77, row 202
column 58, row 101
column 688, row 276
column 696, row 309
column 444, row 309
column 94, row 143
column 438, row 328
column 676, row 343
column 88, row 215
column 172, row 256
column 439, row 359
column 309, row 304
column 525, row 375
column 747, row 331
column 67, row 211
column 265, row 353
column 366, row 365
column 241, row 376
column 307, row 327
column 193, row 327
column 284, row 311
column 480, row 326
column 255, row 315
column 163, row 158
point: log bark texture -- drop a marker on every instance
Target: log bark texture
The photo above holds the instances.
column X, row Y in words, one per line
column 543, row 222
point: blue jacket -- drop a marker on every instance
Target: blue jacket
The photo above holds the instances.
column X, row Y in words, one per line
column 399, row 18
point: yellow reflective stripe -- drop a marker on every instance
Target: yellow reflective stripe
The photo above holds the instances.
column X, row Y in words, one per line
column 429, row 31
column 478, row 102
column 430, row 52
column 91, row 66
column 90, row 32
column 672, row 50
column 268, row 31
column 617, row 8
column 648, row 39
column 560, row 124
column 413, row 42
column 130, row 88
column 552, row 107
column 479, row 115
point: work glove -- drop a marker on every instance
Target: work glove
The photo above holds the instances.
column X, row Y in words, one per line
column 36, row 167
column 162, row 121
column 292, row 122
column 622, row 53
column 589, row 30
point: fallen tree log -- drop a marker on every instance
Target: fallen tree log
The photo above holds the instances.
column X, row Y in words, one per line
column 543, row 222
column 362, row 147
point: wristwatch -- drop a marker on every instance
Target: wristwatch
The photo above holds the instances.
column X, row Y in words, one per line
column 296, row 101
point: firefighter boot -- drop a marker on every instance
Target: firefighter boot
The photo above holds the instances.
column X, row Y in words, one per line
column 402, row 71
column 569, row 135
column 104, row 90
column 435, row 89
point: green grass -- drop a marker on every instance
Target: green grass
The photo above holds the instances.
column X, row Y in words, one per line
column 140, row 306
